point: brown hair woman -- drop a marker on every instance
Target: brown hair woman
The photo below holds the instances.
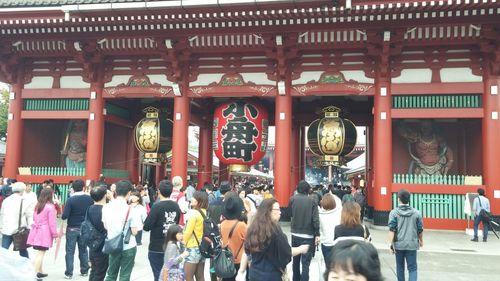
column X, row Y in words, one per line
column 44, row 228
column 350, row 224
column 267, row 244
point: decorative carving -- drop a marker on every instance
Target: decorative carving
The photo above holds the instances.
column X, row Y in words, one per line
column 262, row 89
column 234, row 79
column 332, row 77
column 199, row 91
column 302, row 89
column 138, row 81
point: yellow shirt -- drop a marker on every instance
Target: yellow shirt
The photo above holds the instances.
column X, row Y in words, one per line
column 194, row 225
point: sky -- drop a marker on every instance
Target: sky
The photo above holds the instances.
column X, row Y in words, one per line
column 3, row 86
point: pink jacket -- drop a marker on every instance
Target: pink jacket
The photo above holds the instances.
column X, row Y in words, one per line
column 44, row 229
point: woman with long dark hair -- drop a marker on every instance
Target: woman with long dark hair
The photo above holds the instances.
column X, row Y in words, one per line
column 44, row 228
column 267, row 245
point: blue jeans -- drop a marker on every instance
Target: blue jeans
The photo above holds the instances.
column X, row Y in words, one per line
column 306, row 258
column 411, row 263
column 72, row 238
column 326, row 250
column 156, row 262
column 7, row 240
column 477, row 220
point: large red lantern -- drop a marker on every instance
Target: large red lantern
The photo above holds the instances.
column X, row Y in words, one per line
column 240, row 134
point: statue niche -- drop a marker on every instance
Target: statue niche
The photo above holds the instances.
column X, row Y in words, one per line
column 427, row 148
column 75, row 144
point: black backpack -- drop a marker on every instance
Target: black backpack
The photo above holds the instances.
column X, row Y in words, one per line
column 210, row 244
column 90, row 236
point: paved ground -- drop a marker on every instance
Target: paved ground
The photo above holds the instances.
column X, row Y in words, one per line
column 446, row 255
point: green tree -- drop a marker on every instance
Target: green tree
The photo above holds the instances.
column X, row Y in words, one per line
column 4, row 111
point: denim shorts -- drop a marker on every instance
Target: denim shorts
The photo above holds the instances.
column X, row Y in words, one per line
column 194, row 256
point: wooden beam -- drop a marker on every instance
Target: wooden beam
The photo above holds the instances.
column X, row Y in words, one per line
column 438, row 88
column 437, row 113
column 55, row 93
column 70, row 114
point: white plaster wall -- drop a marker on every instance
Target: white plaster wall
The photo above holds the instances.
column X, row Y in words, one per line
column 117, row 80
column 463, row 74
column 40, row 83
column 160, row 79
column 74, row 82
column 419, row 75
column 205, row 79
column 357, row 75
column 307, row 76
column 258, row 78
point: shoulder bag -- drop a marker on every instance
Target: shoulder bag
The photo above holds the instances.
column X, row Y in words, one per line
column 483, row 214
column 224, row 260
column 115, row 244
column 20, row 237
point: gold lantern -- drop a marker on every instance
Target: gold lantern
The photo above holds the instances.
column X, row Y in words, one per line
column 153, row 135
column 331, row 137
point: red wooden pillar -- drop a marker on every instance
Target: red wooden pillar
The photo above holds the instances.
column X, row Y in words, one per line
column 491, row 137
column 205, row 156
column 95, row 135
column 132, row 157
column 159, row 173
column 369, row 187
column 382, row 150
column 180, row 134
column 15, row 130
column 295, row 158
column 283, row 123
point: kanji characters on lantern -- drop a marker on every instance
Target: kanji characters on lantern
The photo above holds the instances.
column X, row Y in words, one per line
column 240, row 133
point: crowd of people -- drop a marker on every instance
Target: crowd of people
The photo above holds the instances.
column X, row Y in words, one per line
column 190, row 229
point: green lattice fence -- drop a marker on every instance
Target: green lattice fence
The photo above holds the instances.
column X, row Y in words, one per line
column 63, row 189
column 430, row 179
column 57, row 171
column 56, row 104
column 437, row 101
column 438, row 206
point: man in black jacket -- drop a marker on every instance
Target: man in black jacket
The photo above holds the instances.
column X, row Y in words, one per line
column 305, row 228
column 163, row 214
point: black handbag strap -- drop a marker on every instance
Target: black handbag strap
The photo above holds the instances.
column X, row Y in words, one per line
column 126, row 218
column 20, row 213
column 194, row 233
column 479, row 199
column 231, row 234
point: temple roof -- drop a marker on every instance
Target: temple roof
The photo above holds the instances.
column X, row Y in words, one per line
column 50, row 3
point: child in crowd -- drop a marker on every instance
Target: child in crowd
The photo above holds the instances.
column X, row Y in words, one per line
column 173, row 259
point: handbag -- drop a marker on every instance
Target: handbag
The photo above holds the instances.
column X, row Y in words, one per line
column 115, row 244
column 483, row 214
column 224, row 260
column 20, row 236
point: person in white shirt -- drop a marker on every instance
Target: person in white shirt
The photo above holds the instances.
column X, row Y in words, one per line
column 330, row 211
column 135, row 202
column 30, row 196
column 10, row 215
column 118, row 217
